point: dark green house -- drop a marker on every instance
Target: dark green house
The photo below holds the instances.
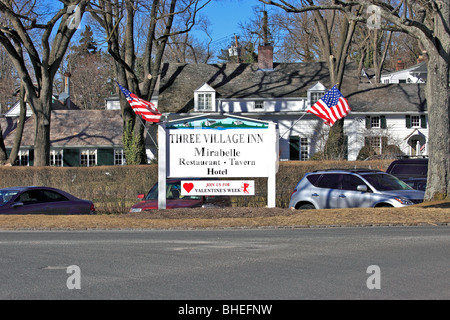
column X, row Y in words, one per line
column 77, row 137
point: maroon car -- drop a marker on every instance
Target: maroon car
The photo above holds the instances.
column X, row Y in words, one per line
column 174, row 199
column 42, row 200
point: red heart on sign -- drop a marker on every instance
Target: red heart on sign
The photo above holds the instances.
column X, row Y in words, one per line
column 188, row 187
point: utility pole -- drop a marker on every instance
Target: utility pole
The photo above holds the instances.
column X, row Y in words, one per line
column 265, row 28
column 237, row 48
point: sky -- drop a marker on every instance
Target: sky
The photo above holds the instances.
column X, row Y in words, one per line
column 226, row 15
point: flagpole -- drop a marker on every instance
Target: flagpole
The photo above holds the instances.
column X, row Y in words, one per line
column 125, row 92
column 292, row 125
column 145, row 128
column 327, row 121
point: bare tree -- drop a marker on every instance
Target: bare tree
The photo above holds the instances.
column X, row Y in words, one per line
column 20, row 125
column 378, row 61
column 118, row 19
column 300, row 41
column 429, row 22
column 8, row 81
column 185, row 48
column 23, row 24
column 405, row 47
column 333, row 52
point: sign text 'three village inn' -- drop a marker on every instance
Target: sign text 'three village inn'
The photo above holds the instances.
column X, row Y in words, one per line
column 218, row 154
column 219, row 147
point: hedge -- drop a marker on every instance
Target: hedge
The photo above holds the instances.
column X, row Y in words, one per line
column 114, row 189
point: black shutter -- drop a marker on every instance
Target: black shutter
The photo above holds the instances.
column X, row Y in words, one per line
column 366, row 141
column 105, row 157
column 346, row 147
column 71, row 158
column 383, row 122
column 368, row 124
column 408, row 121
column 423, row 121
column 31, row 157
column 294, row 148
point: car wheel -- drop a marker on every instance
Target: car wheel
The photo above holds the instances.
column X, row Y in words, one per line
column 384, row 205
column 306, row 206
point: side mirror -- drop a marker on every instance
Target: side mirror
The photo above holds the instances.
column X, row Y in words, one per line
column 17, row 204
column 362, row 188
column 141, row 196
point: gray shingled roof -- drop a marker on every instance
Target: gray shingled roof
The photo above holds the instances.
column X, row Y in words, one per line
column 73, row 128
column 179, row 81
column 388, row 98
column 287, row 80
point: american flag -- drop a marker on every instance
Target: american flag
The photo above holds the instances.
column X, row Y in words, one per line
column 331, row 107
column 145, row 109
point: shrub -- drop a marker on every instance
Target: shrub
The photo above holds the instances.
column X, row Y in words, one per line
column 114, row 189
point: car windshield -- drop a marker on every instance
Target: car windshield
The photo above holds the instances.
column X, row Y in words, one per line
column 173, row 192
column 386, row 182
column 6, row 195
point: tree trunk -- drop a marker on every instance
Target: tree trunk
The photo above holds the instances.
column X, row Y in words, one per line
column 438, row 103
column 42, row 140
column 334, row 146
column 42, row 118
column 20, row 126
column 2, row 148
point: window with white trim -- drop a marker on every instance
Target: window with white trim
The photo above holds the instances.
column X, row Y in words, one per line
column 375, row 144
column 23, row 158
column 375, row 122
column 316, row 96
column 415, row 121
column 205, row 98
column 258, row 105
column 88, row 158
column 56, row 158
column 204, row 102
column 304, row 149
column 119, row 157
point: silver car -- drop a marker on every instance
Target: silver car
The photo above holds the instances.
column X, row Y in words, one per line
column 361, row 188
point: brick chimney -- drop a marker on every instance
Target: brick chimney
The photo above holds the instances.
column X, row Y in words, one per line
column 399, row 65
column 265, row 52
column 265, row 57
column 64, row 97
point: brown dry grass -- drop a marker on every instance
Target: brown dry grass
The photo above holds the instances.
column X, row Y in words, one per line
column 435, row 213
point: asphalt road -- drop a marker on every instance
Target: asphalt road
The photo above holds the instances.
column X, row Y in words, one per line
column 269, row 264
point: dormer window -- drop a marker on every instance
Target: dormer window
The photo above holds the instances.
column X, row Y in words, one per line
column 316, row 92
column 204, row 102
column 316, row 96
column 205, row 99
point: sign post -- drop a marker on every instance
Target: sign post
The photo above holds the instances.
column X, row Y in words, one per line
column 211, row 146
column 162, row 166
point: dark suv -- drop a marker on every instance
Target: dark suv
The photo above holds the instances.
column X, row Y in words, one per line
column 412, row 171
column 352, row 189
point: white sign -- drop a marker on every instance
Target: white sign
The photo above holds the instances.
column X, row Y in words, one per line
column 214, row 153
column 212, row 146
column 218, row 188
column 219, row 148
